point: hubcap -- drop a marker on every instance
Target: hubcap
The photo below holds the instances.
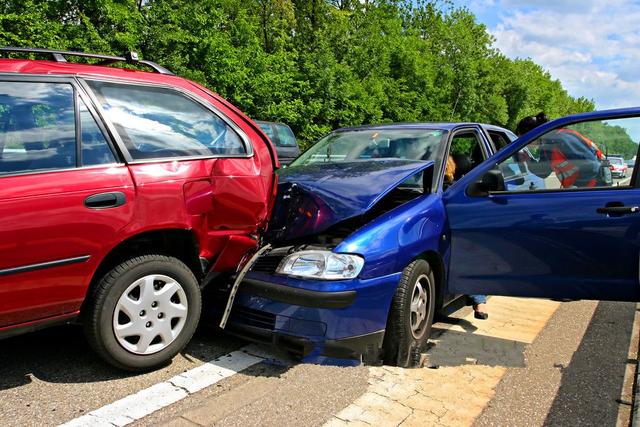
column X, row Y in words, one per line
column 419, row 300
column 150, row 314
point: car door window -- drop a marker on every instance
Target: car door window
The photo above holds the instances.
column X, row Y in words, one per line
column 466, row 152
column 500, row 139
column 285, row 136
column 37, row 125
column 157, row 122
column 572, row 157
column 95, row 149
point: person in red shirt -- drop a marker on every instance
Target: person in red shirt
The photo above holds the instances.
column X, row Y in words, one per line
column 576, row 160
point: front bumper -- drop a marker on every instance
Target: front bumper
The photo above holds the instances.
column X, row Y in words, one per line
column 340, row 322
column 298, row 296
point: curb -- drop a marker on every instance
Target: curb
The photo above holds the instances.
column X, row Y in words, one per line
column 635, row 408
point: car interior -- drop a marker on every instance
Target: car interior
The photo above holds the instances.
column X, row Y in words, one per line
column 466, row 153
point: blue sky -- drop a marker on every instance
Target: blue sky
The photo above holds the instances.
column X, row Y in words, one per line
column 591, row 46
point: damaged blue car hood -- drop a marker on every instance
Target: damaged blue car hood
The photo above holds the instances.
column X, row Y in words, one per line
column 314, row 197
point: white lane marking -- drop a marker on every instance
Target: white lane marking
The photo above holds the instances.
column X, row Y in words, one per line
column 139, row 405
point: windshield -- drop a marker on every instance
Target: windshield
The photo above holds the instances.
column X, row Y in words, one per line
column 372, row 144
column 616, row 160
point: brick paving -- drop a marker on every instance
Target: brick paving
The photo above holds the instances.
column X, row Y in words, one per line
column 464, row 369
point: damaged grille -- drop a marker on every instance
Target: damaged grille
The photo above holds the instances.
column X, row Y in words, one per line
column 267, row 263
column 256, row 318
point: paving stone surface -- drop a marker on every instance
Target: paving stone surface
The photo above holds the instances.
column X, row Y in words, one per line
column 463, row 370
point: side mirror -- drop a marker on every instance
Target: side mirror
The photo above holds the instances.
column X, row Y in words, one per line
column 491, row 181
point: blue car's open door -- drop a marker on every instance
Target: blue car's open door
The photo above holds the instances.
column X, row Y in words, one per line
column 573, row 233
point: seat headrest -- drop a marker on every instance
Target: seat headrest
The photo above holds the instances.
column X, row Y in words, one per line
column 463, row 165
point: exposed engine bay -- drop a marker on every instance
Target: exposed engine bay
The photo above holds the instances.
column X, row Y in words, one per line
column 297, row 206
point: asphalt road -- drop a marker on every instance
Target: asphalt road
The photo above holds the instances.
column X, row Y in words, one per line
column 573, row 373
column 52, row 376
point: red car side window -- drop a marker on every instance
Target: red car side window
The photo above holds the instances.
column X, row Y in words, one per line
column 38, row 127
column 157, row 122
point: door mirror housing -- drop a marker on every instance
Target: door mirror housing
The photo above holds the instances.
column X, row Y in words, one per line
column 491, row 181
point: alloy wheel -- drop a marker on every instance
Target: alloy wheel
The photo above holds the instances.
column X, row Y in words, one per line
column 419, row 301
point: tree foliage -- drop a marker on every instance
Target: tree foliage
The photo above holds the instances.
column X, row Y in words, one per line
column 314, row 64
column 612, row 139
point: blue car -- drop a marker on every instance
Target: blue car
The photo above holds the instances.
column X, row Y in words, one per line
column 368, row 240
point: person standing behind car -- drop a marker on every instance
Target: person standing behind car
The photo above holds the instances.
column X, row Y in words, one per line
column 576, row 160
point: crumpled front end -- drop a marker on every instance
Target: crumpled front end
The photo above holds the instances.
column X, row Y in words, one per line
column 315, row 198
column 318, row 316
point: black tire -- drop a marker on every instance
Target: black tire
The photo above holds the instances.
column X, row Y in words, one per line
column 99, row 314
column 402, row 345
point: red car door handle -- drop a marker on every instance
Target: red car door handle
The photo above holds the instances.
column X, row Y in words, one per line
column 618, row 210
column 105, row 200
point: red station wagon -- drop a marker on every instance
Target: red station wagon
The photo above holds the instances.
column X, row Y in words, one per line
column 120, row 191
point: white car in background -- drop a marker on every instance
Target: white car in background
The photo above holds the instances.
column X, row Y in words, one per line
column 618, row 167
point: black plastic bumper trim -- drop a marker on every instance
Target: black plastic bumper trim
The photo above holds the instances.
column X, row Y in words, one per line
column 292, row 345
column 295, row 296
column 368, row 347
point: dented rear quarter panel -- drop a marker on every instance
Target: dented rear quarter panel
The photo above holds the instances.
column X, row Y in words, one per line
column 225, row 202
column 218, row 199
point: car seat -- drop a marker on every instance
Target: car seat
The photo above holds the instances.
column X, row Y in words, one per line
column 464, row 164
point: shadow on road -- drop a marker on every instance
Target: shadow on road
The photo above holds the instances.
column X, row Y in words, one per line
column 463, row 323
column 62, row 355
column 463, row 348
column 593, row 380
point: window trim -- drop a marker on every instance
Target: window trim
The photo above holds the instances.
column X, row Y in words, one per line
column 194, row 98
column 485, row 146
column 42, row 171
column 76, row 118
column 81, row 96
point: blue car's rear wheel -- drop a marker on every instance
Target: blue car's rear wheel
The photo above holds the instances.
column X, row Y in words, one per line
column 411, row 315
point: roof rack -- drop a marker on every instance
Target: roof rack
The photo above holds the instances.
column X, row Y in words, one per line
column 59, row 56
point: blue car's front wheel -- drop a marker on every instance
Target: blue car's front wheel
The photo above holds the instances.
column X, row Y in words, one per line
column 410, row 316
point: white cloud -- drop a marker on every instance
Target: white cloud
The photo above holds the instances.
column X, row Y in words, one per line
column 592, row 47
column 558, row 5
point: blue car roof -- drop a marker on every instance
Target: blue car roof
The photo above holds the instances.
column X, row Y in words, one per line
column 448, row 126
column 593, row 115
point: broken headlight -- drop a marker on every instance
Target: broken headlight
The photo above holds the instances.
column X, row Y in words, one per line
column 324, row 265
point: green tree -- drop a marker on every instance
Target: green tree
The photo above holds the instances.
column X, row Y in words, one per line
column 314, row 64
